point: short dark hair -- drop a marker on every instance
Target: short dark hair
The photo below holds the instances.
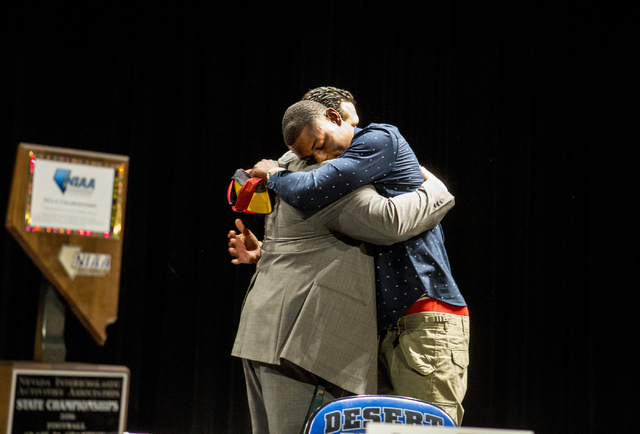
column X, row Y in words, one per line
column 298, row 116
column 330, row 97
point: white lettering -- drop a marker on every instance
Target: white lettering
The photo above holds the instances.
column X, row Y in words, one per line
column 30, row 404
column 66, row 425
column 39, row 382
column 71, row 405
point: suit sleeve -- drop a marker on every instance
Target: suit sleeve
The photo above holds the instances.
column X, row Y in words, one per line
column 367, row 216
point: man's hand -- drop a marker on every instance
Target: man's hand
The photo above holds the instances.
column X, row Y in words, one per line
column 425, row 173
column 260, row 169
column 428, row 175
column 244, row 247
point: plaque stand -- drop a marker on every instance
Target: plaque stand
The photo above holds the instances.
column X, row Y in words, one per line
column 66, row 210
column 49, row 343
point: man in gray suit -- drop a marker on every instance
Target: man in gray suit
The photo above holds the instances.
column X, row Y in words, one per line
column 309, row 316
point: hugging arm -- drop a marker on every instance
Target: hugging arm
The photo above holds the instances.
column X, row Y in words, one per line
column 367, row 216
column 361, row 164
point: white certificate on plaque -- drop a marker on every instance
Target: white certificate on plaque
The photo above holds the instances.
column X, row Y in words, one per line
column 72, row 196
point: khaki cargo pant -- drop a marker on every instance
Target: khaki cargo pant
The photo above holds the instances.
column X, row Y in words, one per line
column 426, row 357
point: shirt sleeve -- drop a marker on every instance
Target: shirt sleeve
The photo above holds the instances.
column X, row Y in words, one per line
column 367, row 216
column 369, row 158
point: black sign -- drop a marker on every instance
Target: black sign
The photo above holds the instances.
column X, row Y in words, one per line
column 67, row 403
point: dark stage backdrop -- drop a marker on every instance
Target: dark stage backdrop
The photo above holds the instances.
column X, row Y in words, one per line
column 520, row 110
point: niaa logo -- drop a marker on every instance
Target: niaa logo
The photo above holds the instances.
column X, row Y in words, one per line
column 63, row 179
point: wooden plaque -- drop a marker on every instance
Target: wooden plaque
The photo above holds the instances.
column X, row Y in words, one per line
column 66, row 210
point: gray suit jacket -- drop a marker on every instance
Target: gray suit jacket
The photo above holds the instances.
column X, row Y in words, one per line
column 312, row 298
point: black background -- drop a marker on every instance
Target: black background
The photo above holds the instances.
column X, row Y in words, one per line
column 524, row 111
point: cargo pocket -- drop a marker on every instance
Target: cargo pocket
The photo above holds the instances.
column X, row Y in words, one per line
column 460, row 358
column 419, row 349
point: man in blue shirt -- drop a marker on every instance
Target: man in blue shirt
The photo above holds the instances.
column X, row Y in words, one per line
column 418, row 299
